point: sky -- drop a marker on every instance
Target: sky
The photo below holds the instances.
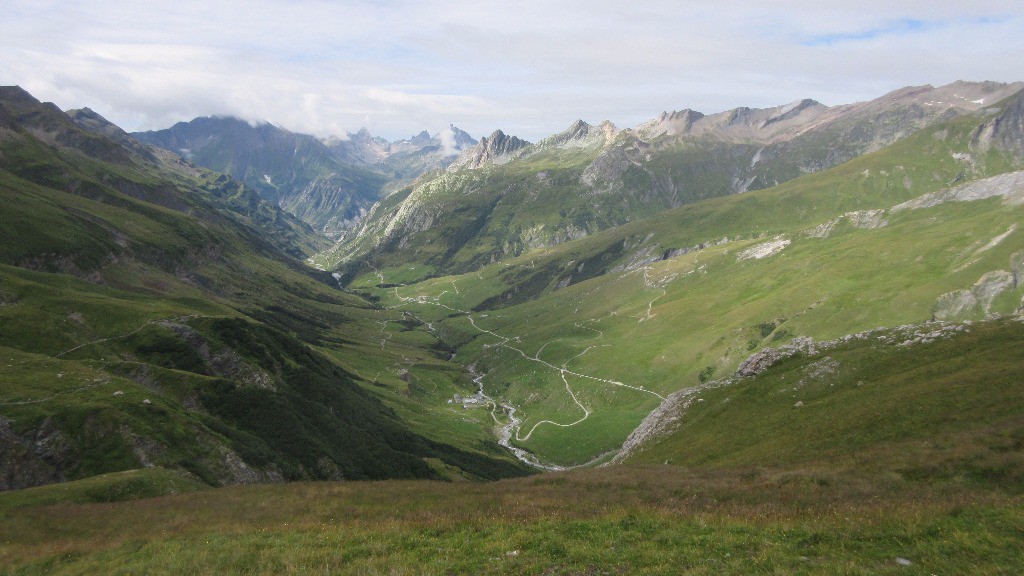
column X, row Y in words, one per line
column 529, row 68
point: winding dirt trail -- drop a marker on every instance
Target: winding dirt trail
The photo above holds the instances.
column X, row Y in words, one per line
column 104, row 378
column 586, row 414
column 650, row 305
column 513, row 427
column 178, row 319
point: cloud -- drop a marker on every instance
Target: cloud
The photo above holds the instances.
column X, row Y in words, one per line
column 530, row 68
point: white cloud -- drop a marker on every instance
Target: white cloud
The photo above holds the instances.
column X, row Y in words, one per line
column 530, row 67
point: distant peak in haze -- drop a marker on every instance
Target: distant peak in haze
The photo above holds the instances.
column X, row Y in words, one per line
column 453, row 140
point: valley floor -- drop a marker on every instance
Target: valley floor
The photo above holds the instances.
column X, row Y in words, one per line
column 617, row 520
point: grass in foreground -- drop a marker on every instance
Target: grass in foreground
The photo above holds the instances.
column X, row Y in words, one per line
column 651, row 520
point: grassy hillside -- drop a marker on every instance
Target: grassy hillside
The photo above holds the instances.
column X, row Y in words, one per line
column 900, row 458
column 585, row 338
column 153, row 315
column 650, row 519
column 948, row 410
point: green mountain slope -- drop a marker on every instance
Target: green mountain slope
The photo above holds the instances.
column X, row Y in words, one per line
column 585, row 338
column 295, row 171
column 155, row 314
column 936, row 403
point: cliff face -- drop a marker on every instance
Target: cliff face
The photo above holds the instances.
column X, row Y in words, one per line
column 39, row 456
column 1006, row 131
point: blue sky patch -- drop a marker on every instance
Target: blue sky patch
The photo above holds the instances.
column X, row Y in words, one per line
column 903, row 27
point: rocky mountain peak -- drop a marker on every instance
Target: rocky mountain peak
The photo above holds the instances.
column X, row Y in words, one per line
column 421, row 139
column 743, row 124
column 580, row 135
column 959, row 95
column 90, row 120
column 1004, row 131
column 609, row 130
column 360, row 148
column 579, row 129
column 19, row 111
column 362, row 134
column 793, row 110
column 739, row 116
column 685, row 115
column 454, row 140
column 17, row 105
column 671, row 123
column 500, row 144
column 496, row 148
column 16, row 94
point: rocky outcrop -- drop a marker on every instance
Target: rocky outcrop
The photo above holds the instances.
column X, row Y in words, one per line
column 39, row 456
column 763, row 250
column 1017, row 268
column 977, row 301
column 606, row 171
column 955, row 304
column 666, row 417
column 867, row 219
column 761, row 361
column 990, row 286
column 1009, row 186
column 1005, row 131
column 225, row 363
column 663, row 419
column 231, row 469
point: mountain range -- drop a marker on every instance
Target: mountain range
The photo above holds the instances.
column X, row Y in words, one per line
column 589, row 178
column 728, row 326
column 330, row 184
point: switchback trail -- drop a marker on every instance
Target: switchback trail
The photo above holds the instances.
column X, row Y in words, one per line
column 513, row 428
